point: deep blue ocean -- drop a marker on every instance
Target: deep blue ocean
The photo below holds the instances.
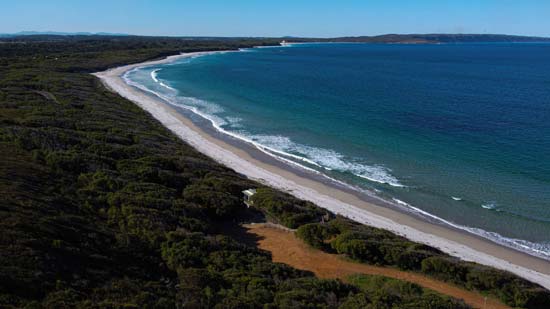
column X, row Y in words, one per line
column 459, row 132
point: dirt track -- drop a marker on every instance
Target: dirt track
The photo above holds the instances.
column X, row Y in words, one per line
column 286, row 248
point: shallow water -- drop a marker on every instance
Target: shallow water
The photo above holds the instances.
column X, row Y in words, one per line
column 457, row 132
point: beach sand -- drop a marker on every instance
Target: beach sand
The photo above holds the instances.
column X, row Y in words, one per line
column 452, row 241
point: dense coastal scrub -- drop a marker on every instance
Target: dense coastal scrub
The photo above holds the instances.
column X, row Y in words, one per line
column 103, row 207
column 403, row 294
column 285, row 209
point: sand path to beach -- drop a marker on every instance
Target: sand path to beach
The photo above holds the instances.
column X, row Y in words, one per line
column 286, row 248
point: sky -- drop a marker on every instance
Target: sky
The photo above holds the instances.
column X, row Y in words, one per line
column 321, row 18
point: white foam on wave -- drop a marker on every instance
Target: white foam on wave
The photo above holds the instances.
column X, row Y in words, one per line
column 234, row 122
column 539, row 249
column 327, row 159
column 154, row 75
column 455, row 198
column 279, row 147
column 155, row 78
column 207, row 111
column 490, row 205
column 166, row 86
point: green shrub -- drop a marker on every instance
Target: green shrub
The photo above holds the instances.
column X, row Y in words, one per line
column 285, row 209
column 214, row 203
column 316, row 235
column 384, row 292
column 446, row 268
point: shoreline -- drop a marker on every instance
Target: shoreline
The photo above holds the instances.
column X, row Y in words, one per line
column 252, row 164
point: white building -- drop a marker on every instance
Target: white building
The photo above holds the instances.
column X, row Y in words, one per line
column 247, row 198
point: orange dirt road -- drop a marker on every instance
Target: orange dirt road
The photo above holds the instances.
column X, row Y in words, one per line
column 286, row 248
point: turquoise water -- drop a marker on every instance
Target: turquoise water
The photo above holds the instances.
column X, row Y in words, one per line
column 456, row 132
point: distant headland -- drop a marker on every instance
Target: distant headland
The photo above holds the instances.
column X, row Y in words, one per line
column 434, row 38
column 440, row 38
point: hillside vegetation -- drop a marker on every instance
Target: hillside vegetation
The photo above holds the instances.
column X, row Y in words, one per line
column 103, row 207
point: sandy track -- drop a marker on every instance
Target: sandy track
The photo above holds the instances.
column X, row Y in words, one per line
column 286, row 248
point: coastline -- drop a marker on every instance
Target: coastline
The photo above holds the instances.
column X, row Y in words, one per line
column 454, row 242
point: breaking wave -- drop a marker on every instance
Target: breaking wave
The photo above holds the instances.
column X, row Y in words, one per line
column 539, row 249
column 154, row 77
column 283, row 148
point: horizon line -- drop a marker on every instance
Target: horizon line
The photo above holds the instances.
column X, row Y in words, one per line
column 106, row 33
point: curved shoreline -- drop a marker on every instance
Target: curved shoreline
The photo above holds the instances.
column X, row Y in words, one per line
column 457, row 243
column 297, row 163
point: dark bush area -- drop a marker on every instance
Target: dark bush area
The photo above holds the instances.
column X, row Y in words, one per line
column 506, row 286
column 285, row 209
column 385, row 292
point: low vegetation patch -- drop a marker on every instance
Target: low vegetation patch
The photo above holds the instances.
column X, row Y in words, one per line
column 384, row 291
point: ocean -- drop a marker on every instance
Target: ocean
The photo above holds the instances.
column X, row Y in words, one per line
column 456, row 133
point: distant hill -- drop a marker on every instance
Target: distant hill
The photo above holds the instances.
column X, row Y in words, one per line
column 386, row 38
column 439, row 38
column 27, row 33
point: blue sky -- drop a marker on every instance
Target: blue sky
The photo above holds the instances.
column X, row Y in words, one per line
column 278, row 18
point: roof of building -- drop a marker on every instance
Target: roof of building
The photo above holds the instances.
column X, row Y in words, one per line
column 249, row 192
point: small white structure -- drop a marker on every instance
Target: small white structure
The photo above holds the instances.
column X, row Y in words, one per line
column 247, row 198
column 325, row 218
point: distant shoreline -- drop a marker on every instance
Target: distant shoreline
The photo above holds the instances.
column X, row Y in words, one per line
column 250, row 162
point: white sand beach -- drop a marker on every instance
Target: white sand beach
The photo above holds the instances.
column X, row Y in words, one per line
column 454, row 242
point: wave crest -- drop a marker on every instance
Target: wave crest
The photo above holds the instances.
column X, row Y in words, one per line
column 154, row 77
column 329, row 159
column 281, row 147
column 539, row 249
